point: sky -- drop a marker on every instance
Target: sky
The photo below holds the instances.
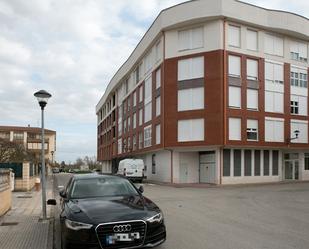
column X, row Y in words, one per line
column 72, row 48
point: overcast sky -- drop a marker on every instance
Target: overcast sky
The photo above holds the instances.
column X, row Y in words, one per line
column 72, row 48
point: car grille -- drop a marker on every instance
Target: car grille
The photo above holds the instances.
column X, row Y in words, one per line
column 105, row 230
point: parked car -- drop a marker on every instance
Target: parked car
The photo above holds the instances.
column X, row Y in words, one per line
column 108, row 211
column 55, row 170
column 132, row 169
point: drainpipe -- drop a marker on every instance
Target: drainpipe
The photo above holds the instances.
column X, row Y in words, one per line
column 224, row 99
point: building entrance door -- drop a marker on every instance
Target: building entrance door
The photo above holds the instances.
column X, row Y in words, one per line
column 183, row 172
column 208, row 167
column 291, row 170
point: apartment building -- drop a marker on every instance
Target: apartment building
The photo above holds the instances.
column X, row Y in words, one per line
column 215, row 92
column 30, row 138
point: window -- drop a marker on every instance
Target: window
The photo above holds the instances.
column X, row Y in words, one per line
column 147, row 112
column 234, row 36
column 234, row 129
column 234, row 97
column 153, row 164
column 134, row 142
column 302, row 127
column 159, row 51
column 126, row 86
column 134, row 120
column 140, row 140
column 273, row 72
column 134, row 99
column 252, row 99
column 147, row 136
column 141, row 94
column 273, row 101
column 274, row 130
column 18, row 136
column 306, row 161
column 273, row 45
column 119, row 146
column 299, row 77
column 248, row 162
column 124, row 126
column 191, row 99
column 266, row 163
column 192, row 68
column 148, row 62
column 252, row 130
column 158, row 134
column 158, row 106
column 191, row 39
column 147, row 100
column 275, row 162
column 257, row 163
column 140, row 117
column 226, row 162
column 136, row 75
column 158, row 78
column 129, row 124
column 252, row 40
column 294, row 107
column 252, row 69
column 234, row 66
column 237, row 162
column 191, row 130
column 299, row 51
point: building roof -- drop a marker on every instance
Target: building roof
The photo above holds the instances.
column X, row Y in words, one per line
column 196, row 11
column 27, row 129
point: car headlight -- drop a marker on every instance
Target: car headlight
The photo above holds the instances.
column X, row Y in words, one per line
column 156, row 218
column 76, row 225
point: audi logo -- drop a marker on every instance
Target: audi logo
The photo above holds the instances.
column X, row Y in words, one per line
column 122, row 228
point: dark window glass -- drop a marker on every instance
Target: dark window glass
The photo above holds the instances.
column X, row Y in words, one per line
column 275, row 162
column 266, row 163
column 247, row 162
column 257, row 163
column 153, row 164
column 226, row 162
column 237, row 162
column 306, row 161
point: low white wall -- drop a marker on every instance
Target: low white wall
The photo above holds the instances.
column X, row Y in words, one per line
column 250, row 179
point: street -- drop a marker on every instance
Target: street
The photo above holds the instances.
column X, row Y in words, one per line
column 265, row 216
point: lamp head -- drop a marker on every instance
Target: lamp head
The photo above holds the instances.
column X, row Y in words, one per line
column 296, row 132
column 42, row 97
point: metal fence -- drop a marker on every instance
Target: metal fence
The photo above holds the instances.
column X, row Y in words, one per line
column 4, row 179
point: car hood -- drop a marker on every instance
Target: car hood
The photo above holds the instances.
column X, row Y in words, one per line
column 111, row 209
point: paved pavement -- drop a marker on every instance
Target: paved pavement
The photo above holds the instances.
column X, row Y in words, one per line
column 21, row 227
column 241, row 217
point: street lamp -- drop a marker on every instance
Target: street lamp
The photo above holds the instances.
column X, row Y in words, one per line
column 296, row 132
column 42, row 97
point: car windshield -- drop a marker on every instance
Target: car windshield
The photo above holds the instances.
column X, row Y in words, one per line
column 101, row 187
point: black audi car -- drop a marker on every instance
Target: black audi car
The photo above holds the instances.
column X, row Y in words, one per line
column 106, row 211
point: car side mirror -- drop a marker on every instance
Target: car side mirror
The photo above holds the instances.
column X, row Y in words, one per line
column 52, row 202
column 141, row 189
column 63, row 194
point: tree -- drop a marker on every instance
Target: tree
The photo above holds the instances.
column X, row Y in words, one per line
column 11, row 152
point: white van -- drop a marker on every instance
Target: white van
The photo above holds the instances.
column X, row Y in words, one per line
column 132, row 169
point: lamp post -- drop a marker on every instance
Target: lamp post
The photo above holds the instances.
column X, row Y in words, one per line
column 52, row 154
column 42, row 97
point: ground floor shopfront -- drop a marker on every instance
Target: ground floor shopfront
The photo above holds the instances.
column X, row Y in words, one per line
column 224, row 165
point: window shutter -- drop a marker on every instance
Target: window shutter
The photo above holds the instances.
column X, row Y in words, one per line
column 235, row 96
column 252, row 99
column 234, row 129
column 234, row 36
column 252, row 40
column 252, row 69
column 197, row 37
column 234, row 66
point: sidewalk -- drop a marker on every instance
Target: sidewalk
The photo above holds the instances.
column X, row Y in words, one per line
column 21, row 227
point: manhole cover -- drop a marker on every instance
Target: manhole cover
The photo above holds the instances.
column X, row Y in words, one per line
column 24, row 196
column 5, row 224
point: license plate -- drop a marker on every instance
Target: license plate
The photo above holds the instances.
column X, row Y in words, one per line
column 122, row 237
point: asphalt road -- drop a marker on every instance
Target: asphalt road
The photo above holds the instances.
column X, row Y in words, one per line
column 248, row 217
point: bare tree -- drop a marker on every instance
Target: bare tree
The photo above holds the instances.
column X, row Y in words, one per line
column 11, row 152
